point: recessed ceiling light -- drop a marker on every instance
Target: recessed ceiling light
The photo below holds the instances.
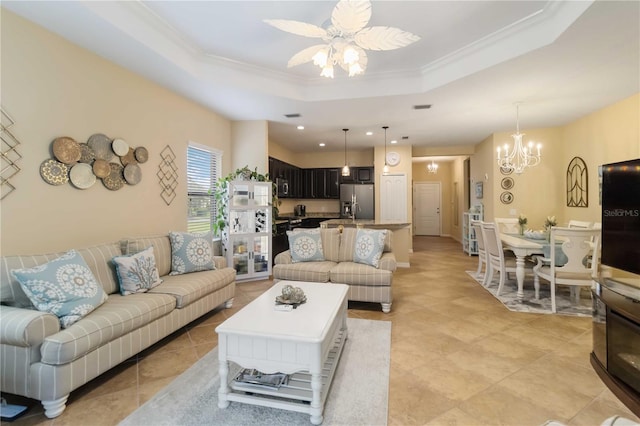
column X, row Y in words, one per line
column 394, row 141
column 300, row 127
column 321, row 144
column 369, row 133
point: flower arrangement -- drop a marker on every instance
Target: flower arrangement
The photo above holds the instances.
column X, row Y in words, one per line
column 522, row 220
column 549, row 222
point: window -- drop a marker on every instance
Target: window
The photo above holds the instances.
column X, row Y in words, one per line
column 203, row 170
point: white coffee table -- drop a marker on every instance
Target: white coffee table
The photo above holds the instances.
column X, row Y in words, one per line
column 305, row 343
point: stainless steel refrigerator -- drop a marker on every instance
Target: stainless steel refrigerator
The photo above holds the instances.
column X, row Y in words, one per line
column 358, row 199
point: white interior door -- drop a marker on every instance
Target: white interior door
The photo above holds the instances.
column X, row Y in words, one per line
column 426, row 206
column 393, row 198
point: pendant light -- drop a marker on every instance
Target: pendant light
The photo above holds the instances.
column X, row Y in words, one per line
column 345, row 169
column 385, row 169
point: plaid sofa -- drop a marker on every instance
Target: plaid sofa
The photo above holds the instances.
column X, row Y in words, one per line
column 366, row 283
column 40, row 360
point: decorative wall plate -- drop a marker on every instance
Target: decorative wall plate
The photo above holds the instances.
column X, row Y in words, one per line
column 120, row 147
column 129, row 158
column 132, row 174
column 54, row 172
column 507, row 183
column 101, row 145
column 86, row 153
column 506, row 171
column 115, row 180
column 142, row 155
column 506, row 197
column 66, row 150
column 101, row 168
column 81, row 176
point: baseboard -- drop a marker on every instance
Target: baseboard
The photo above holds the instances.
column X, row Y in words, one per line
column 403, row 265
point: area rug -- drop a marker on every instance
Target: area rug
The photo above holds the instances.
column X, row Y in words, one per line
column 358, row 395
column 529, row 303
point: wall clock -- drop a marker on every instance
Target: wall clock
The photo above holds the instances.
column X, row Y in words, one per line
column 393, row 158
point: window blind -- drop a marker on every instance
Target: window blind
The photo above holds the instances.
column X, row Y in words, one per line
column 203, row 170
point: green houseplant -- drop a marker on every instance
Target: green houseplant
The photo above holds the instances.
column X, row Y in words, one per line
column 221, row 224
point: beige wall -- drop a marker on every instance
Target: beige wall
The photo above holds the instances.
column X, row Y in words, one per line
column 606, row 136
column 250, row 145
column 52, row 88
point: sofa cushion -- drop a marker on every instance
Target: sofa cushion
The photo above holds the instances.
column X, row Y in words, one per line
column 191, row 252
column 188, row 288
column 65, row 287
column 348, row 242
column 116, row 317
column 368, row 246
column 161, row 249
column 98, row 258
column 305, row 245
column 330, row 243
column 360, row 274
column 137, row 273
column 306, row 271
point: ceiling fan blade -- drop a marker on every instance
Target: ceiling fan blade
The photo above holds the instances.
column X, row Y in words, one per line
column 384, row 38
column 297, row 27
column 305, row 55
column 351, row 16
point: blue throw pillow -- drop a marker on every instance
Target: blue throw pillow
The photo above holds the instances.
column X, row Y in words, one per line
column 191, row 252
column 64, row 287
column 305, row 246
column 137, row 273
column 369, row 246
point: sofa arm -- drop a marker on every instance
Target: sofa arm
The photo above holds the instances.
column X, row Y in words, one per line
column 388, row 262
column 283, row 258
column 220, row 262
column 26, row 327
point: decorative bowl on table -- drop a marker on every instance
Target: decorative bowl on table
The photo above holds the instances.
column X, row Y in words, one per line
column 535, row 235
column 291, row 296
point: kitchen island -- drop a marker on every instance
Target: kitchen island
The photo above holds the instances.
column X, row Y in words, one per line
column 400, row 241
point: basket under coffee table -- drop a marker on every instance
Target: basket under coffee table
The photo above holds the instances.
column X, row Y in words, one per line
column 305, row 343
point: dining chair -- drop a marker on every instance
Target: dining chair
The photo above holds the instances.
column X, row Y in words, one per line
column 578, row 245
column 507, row 225
column 579, row 224
column 476, row 225
column 496, row 260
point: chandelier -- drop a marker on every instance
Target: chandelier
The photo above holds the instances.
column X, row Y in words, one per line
column 345, row 38
column 432, row 168
column 521, row 156
column 345, row 169
column 385, row 169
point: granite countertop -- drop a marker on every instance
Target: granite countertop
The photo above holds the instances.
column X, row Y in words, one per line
column 312, row 215
column 364, row 222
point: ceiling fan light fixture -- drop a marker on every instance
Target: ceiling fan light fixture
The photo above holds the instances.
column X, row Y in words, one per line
column 327, row 71
column 345, row 38
column 320, row 58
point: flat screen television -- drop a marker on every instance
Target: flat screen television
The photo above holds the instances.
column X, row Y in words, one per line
column 621, row 215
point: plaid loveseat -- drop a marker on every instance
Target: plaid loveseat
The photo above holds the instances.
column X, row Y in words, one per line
column 41, row 360
column 366, row 283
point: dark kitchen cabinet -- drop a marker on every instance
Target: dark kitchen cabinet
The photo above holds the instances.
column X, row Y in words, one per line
column 359, row 175
column 320, row 183
column 326, row 183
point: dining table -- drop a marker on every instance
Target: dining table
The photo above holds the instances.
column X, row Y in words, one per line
column 522, row 247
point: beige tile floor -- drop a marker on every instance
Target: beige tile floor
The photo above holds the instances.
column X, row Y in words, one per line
column 458, row 357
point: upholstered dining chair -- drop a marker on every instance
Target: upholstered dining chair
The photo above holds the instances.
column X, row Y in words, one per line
column 482, row 253
column 574, row 268
column 507, row 225
column 579, row 224
column 496, row 260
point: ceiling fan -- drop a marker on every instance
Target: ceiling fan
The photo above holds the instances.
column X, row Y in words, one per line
column 345, row 38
